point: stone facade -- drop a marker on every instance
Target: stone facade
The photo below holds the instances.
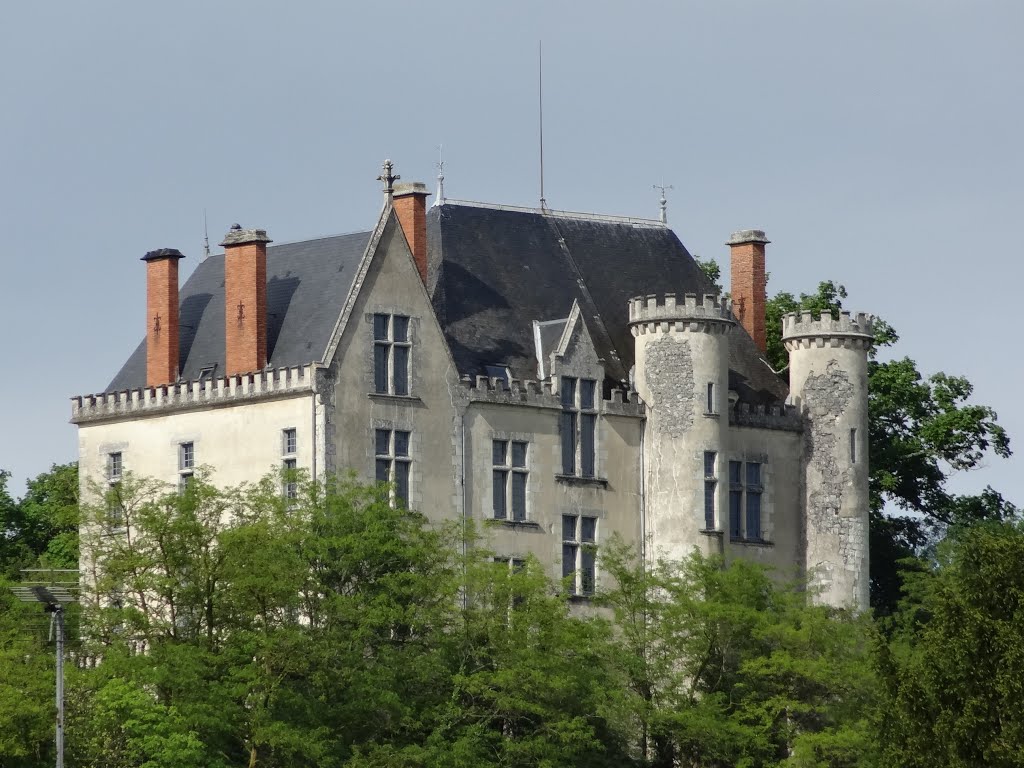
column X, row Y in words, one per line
column 671, row 463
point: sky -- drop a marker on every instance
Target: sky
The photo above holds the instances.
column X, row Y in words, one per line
column 877, row 143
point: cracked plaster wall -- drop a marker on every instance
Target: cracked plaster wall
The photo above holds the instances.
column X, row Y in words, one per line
column 673, row 370
column 832, row 389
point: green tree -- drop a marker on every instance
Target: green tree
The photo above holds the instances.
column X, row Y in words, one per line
column 726, row 667
column 953, row 671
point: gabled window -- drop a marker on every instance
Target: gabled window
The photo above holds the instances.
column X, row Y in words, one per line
column 579, row 426
column 393, row 462
column 579, row 553
column 391, row 353
column 509, row 478
column 745, row 491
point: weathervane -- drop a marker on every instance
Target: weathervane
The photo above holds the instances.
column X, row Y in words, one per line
column 663, row 216
column 388, row 178
column 440, row 175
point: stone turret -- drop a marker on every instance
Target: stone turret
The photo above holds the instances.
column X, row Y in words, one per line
column 829, row 384
column 682, row 375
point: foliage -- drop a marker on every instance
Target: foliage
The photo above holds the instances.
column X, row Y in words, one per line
column 711, row 271
column 729, row 668
column 954, row 670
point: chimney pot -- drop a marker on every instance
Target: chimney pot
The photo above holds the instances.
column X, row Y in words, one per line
column 162, row 329
column 410, row 203
column 749, row 291
column 245, row 300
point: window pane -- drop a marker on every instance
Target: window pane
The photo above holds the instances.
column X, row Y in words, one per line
column 401, row 443
column 380, row 368
column 499, row 480
column 753, row 473
column 290, row 442
column 587, row 439
column 114, row 466
column 401, row 370
column 709, row 505
column 588, row 530
column 735, row 472
column 568, row 443
column 735, row 502
column 569, row 527
column 709, row 463
column 569, row 564
column 289, row 465
column 568, row 392
column 711, row 398
column 518, row 495
column 380, row 327
column 588, row 571
column 400, row 328
column 498, row 449
column 853, row 446
column 518, row 454
column 753, row 515
column 186, row 456
column 587, row 387
column 402, row 481
column 383, row 442
column 383, row 470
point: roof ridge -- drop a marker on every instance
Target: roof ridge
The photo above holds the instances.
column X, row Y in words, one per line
column 554, row 213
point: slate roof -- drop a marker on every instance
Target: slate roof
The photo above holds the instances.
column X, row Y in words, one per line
column 307, row 284
column 493, row 271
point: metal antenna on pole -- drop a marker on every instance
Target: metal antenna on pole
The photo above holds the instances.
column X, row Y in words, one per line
column 54, row 595
column 206, row 237
column 663, row 216
column 540, row 110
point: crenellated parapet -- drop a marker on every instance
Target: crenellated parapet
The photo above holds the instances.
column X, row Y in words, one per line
column 542, row 394
column 205, row 393
column 804, row 329
column 781, row 416
column 651, row 314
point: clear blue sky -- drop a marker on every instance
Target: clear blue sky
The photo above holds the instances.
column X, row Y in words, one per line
column 877, row 143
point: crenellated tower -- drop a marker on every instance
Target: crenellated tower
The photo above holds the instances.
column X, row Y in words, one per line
column 829, row 383
column 682, row 375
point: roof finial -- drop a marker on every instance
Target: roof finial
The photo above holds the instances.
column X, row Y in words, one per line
column 388, row 178
column 440, row 175
column 663, row 216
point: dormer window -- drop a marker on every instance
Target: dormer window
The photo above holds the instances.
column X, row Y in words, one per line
column 579, row 426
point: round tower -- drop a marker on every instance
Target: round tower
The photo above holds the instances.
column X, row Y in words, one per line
column 682, row 375
column 828, row 378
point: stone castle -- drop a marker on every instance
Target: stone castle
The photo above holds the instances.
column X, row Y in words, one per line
column 556, row 377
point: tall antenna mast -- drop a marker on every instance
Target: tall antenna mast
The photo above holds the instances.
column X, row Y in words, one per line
column 540, row 104
column 206, row 237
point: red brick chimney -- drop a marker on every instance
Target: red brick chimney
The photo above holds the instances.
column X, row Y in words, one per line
column 410, row 203
column 245, row 299
column 748, row 282
column 162, row 316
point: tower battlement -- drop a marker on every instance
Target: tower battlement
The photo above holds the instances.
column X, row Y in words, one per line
column 803, row 329
column 708, row 313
